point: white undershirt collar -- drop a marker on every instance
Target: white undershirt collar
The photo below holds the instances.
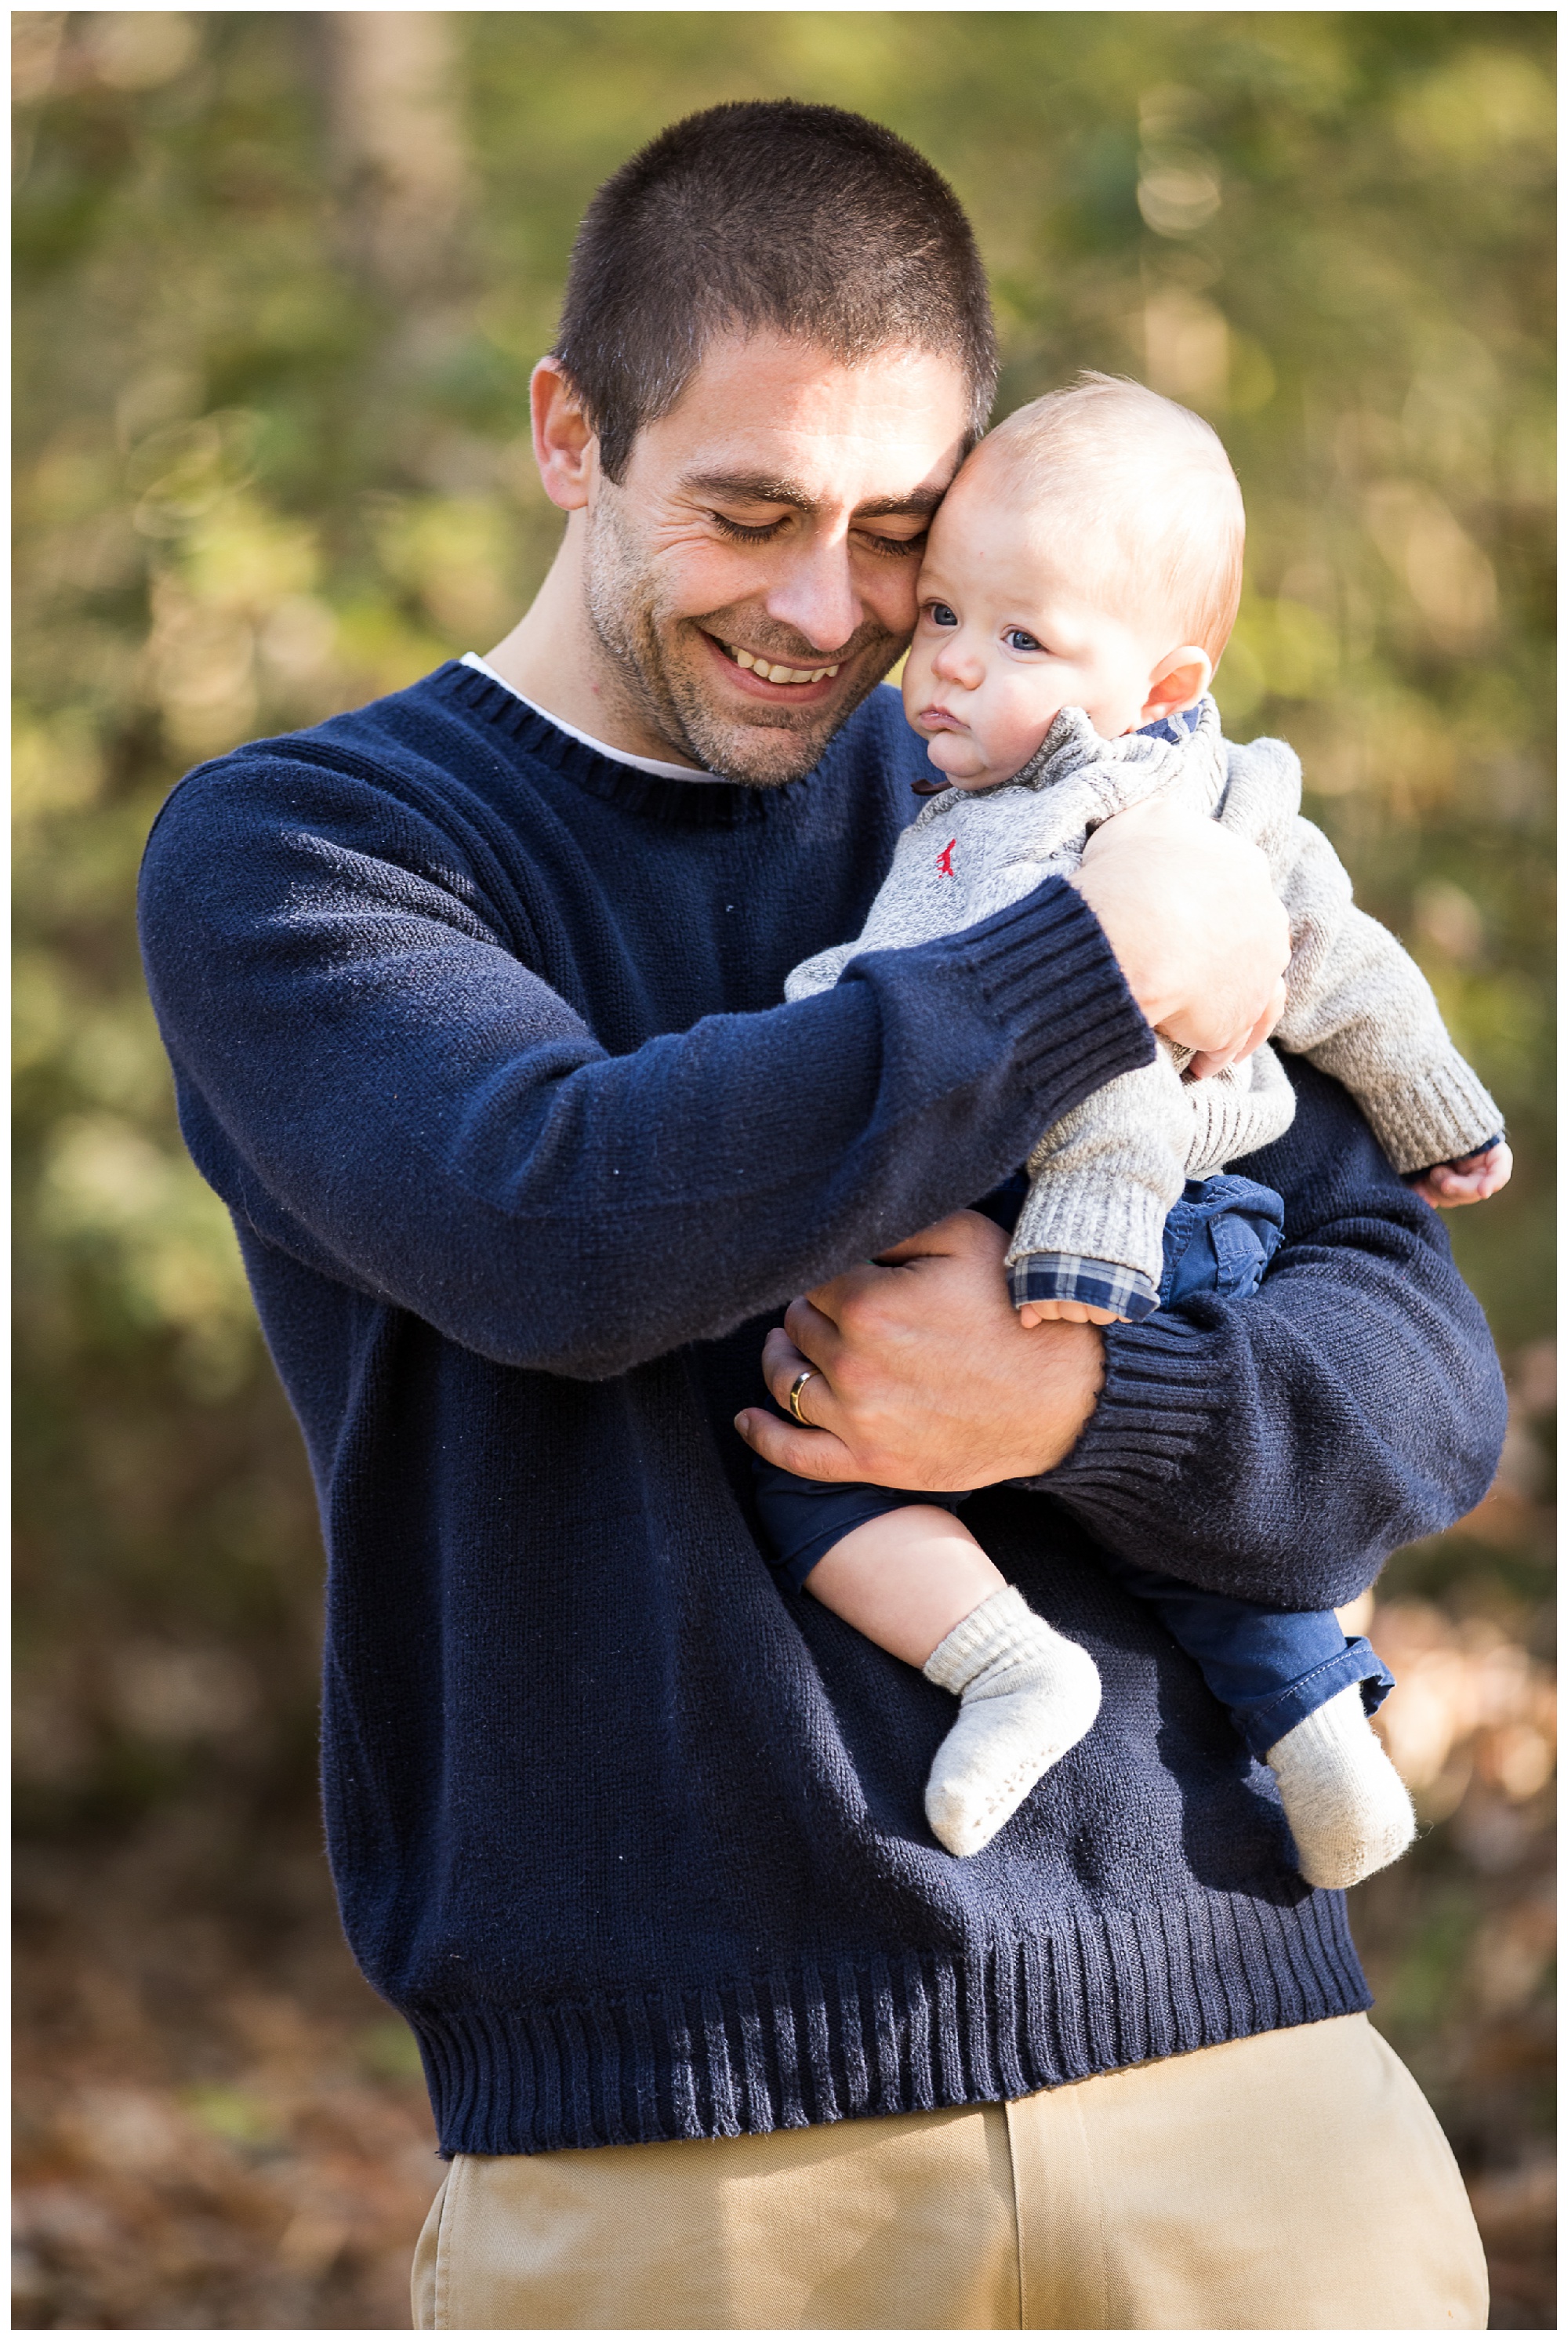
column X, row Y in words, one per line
column 600, row 747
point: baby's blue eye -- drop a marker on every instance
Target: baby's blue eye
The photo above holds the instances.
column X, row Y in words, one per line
column 941, row 615
column 1017, row 640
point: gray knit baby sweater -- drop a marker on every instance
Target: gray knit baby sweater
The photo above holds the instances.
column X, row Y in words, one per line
column 1102, row 1179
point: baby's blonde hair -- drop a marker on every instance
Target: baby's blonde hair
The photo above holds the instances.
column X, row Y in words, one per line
column 1146, row 493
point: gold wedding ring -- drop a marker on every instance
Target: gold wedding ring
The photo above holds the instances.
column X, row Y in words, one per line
column 795, row 1389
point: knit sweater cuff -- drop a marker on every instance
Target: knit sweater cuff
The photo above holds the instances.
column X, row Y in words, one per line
column 1161, row 1407
column 1110, row 1219
column 1439, row 1115
column 1049, row 973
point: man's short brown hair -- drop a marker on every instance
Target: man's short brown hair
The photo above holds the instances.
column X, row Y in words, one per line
column 801, row 219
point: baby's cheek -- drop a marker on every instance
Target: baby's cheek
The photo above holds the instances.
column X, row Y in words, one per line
column 1019, row 720
column 915, row 681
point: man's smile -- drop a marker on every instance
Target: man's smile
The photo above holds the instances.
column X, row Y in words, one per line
column 776, row 679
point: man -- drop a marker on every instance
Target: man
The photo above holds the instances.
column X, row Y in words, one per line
column 471, row 999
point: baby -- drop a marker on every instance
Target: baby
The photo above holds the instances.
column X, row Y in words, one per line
column 1081, row 582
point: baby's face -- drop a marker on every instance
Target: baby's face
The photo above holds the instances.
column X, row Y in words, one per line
column 1002, row 641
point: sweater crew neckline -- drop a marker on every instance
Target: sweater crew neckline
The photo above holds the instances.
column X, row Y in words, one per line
column 660, row 770
column 704, row 802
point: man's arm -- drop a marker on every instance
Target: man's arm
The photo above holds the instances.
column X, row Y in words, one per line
column 375, row 1080
column 1278, row 1448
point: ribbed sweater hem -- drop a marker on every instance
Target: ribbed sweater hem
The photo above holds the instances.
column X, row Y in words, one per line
column 884, row 2034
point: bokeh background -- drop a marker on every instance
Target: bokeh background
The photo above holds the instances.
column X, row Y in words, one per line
column 280, row 280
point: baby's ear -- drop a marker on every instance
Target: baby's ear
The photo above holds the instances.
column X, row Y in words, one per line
column 1179, row 680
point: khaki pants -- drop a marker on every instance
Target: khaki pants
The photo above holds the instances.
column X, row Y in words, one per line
column 1296, row 2181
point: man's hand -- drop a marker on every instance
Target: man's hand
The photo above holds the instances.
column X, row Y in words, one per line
column 923, row 1375
column 1193, row 917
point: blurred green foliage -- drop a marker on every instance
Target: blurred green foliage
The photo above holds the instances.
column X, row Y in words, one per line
column 280, row 280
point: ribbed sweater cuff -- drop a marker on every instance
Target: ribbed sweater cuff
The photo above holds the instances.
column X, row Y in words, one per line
column 1111, row 1219
column 1049, row 973
column 1160, row 1405
column 1438, row 1116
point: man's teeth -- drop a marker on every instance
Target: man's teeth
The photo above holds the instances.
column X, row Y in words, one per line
column 779, row 673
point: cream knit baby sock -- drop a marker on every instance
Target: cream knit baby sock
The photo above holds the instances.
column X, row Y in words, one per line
column 1350, row 1812
column 1027, row 1696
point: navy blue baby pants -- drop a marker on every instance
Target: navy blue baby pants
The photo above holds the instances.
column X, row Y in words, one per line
column 1270, row 1668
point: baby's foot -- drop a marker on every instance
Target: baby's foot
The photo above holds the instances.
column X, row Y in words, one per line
column 1349, row 1811
column 1027, row 1696
column 1067, row 1312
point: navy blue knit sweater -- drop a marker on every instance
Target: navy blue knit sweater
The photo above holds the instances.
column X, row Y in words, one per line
column 476, row 1032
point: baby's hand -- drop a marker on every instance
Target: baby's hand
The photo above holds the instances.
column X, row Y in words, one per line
column 1067, row 1312
column 1468, row 1181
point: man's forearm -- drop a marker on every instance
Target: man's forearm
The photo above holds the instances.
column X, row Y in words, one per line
column 1279, row 1448
column 1276, row 1449
column 416, row 1111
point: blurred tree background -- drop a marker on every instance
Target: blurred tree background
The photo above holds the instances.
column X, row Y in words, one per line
column 280, row 279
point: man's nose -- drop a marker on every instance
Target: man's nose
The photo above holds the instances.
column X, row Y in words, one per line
column 815, row 595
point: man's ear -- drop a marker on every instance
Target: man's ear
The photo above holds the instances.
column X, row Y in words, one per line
column 1181, row 677
column 565, row 445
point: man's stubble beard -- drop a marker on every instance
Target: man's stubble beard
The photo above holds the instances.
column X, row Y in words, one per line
column 663, row 692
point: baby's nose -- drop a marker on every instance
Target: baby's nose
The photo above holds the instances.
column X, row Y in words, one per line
column 955, row 664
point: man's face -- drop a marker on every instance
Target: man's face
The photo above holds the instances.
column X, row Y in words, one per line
column 752, row 576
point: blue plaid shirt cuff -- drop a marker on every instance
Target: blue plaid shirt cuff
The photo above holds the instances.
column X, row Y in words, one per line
column 1101, row 1283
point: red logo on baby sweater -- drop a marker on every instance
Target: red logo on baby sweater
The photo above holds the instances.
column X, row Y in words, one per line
column 944, row 859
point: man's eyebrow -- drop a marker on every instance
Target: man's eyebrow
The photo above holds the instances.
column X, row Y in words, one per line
column 764, row 488
column 919, row 504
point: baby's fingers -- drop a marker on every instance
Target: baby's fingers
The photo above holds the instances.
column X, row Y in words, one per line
column 1065, row 1313
column 1448, row 1185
